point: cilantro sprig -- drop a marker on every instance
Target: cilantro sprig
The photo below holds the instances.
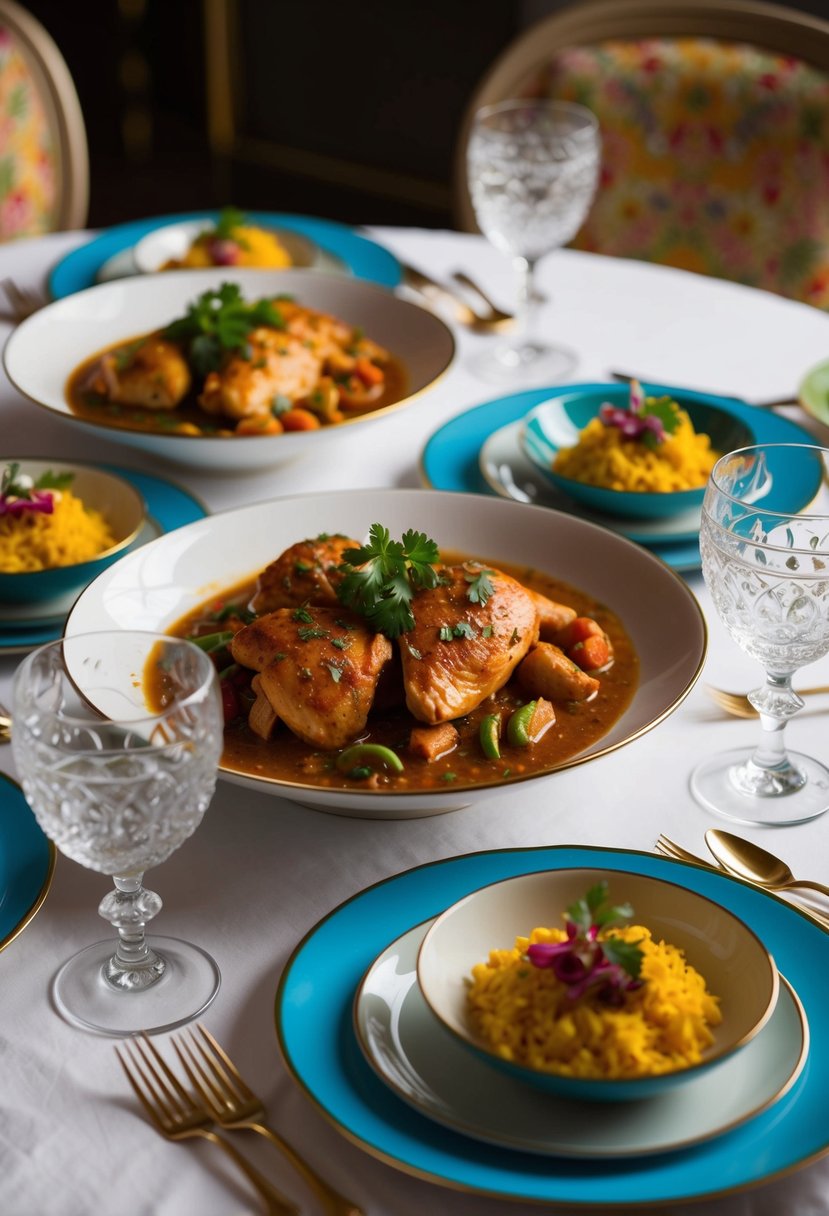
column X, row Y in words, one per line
column 382, row 576
column 230, row 218
column 219, row 322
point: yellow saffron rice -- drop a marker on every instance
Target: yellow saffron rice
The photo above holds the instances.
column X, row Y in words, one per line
column 257, row 247
column 524, row 1014
column 604, row 457
column 35, row 541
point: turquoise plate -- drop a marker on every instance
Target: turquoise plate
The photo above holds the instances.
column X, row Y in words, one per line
column 364, row 258
column 315, row 1032
column 449, row 460
column 168, row 506
column 27, row 860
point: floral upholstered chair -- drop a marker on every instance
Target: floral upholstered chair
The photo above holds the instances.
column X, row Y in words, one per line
column 44, row 173
column 715, row 145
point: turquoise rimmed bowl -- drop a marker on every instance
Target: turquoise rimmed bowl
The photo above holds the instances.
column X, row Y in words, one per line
column 557, row 424
column 119, row 502
column 733, row 961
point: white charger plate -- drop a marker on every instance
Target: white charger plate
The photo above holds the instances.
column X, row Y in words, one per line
column 430, row 1070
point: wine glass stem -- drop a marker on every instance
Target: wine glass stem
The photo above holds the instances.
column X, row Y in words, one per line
column 128, row 909
column 770, row 772
column 526, row 302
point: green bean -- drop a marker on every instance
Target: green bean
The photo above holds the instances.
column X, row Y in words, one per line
column 518, row 725
column 490, row 735
column 213, row 641
column 365, row 753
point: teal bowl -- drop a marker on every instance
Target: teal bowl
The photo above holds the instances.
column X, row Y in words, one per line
column 119, row 502
column 736, row 965
column 557, row 424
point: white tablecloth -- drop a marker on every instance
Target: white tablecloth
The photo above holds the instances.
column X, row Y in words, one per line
column 260, row 872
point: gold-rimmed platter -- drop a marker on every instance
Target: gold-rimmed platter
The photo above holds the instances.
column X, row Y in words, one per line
column 27, row 862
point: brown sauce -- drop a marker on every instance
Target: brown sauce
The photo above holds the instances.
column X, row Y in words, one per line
column 96, row 407
column 577, row 726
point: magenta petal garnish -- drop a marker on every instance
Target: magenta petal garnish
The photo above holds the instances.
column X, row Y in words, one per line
column 41, row 502
column 543, row 954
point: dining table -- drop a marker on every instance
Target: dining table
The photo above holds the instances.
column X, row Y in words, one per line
column 260, row 872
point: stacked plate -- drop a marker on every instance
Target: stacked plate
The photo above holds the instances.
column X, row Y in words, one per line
column 481, row 451
column 358, row 1037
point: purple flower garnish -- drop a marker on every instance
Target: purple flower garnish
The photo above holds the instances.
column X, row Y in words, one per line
column 40, row 502
column 650, row 419
column 582, row 962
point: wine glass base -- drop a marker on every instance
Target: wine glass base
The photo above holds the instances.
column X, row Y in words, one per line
column 508, row 365
column 713, row 788
column 84, row 997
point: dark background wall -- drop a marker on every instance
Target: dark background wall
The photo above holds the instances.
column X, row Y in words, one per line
column 343, row 110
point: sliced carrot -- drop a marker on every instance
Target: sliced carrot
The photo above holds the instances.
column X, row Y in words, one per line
column 590, row 654
column 300, row 420
column 368, row 371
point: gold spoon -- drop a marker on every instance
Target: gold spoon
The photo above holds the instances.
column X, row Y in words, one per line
column 5, row 725
column 749, row 861
column 737, row 703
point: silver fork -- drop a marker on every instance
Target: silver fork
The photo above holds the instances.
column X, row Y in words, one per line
column 175, row 1115
column 23, row 300
column 233, row 1104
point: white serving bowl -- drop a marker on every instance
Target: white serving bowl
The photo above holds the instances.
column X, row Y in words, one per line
column 172, row 241
column 733, row 961
column 158, row 584
column 43, row 351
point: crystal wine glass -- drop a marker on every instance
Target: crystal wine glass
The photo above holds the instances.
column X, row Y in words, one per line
column 764, row 541
column 117, row 738
column 532, row 168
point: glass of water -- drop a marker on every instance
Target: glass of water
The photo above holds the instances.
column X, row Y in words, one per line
column 764, row 541
column 532, row 169
column 117, row 738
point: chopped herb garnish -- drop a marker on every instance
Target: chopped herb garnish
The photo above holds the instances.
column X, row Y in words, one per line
column 341, row 643
column 450, row 777
column 335, row 672
column 218, row 322
column 308, row 633
column 445, row 633
column 382, row 576
column 302, row 614
column 486, row 632
column 464, row 630
column 415, row 653
column 305, row 673
column 302, row 567
column 480, row 586
column 343, row 624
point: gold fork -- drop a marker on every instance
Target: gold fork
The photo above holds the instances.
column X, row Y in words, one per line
column 23, row 301
column 5, row 725
column 175, row 1115
column 232, row 1103
column 738, row 704
column 669, row 848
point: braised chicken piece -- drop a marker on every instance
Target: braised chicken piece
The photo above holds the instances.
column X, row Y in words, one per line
column 318, row 668
column 461, row 651
column 153, row 375
column 304, row 574
column 547, row 672
column 276, row 364
column 552, row 617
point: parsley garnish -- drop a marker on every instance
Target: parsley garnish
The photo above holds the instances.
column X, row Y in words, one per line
column 218, row 322
column 480, row 586
column 308, row 633
column 302, row 614
column 382, row 576
column 230, row 218
column 341, row 643
column 335, row 672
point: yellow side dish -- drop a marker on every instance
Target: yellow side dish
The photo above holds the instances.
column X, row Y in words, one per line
column 605, row 457
column 33, row 540
column 254, row 247
column 526, row 1015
